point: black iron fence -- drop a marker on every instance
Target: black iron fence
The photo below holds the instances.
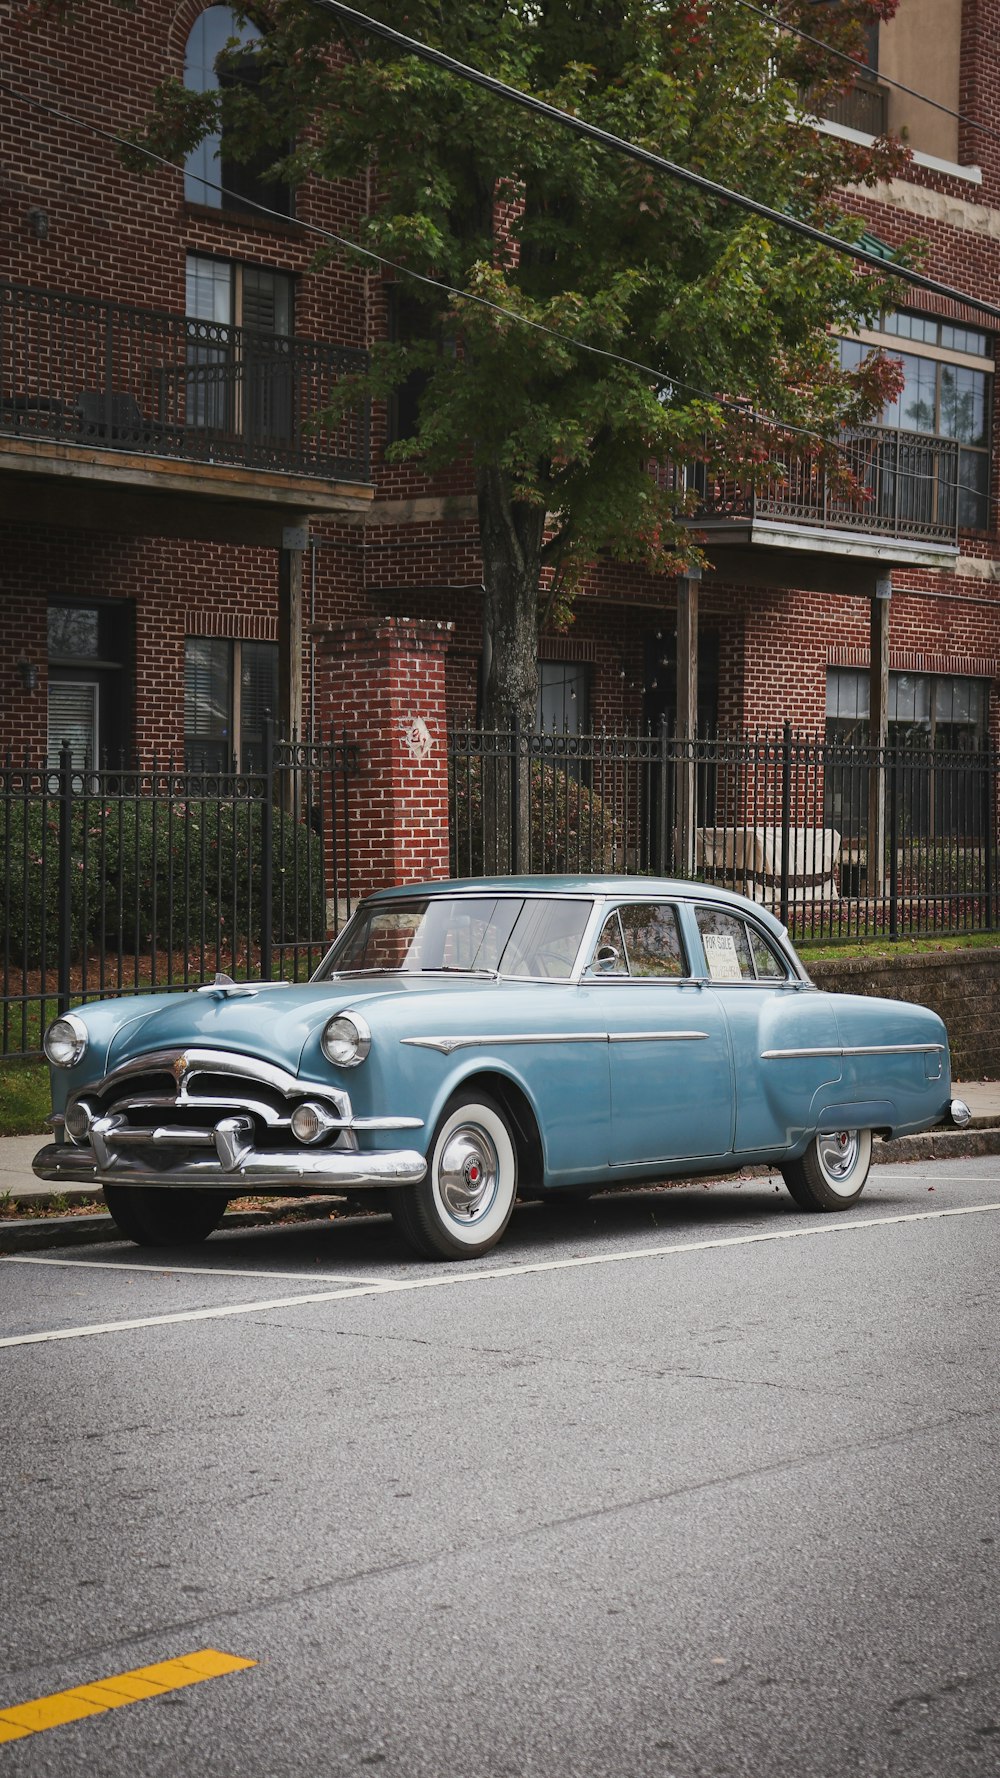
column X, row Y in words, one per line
column 839, row 840
column 86, row 371
column 122, row 880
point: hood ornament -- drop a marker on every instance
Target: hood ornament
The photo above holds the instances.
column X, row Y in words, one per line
column 227, row 988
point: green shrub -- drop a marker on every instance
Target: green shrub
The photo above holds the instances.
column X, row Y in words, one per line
column 571, row 827
column 155, row 874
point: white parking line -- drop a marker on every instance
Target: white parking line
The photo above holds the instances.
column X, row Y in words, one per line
column 161, row 1271
column 469, row 1275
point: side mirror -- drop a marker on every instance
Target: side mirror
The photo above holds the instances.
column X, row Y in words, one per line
column 607, row 961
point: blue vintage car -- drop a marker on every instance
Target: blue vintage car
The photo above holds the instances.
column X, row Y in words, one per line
column 464, row 1042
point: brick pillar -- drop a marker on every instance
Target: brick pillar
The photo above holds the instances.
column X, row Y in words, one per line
column 383, row 681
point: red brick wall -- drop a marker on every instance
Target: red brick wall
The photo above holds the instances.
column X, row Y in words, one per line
column 115, row 234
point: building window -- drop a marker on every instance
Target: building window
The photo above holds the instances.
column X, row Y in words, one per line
column 927, row 711
column 239, row 363
column 228, row 686
column 563, row 697
column 947, row 396
column 220, row 33
column 932, row 709
column 90, row 648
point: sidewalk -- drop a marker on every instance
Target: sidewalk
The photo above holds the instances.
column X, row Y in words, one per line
column 18, row 1180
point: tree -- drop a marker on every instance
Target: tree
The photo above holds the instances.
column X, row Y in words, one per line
column 606, row 260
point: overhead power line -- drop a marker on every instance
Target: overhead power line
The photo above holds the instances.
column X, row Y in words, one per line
column 666, row 378
column 774, row 18
column 592, row 132
column 773, row 422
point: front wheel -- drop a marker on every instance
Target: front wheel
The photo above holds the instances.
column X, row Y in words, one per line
column 831, row 1174
column 155, row 1217
column 464, row 1202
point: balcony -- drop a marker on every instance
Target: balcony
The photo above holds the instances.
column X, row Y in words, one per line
column 900, row 485
column 864, row 107
column 84, row 373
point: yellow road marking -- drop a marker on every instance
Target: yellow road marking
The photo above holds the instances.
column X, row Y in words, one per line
column 18, row 1720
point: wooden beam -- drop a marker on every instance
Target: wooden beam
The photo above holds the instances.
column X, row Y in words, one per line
column 687, row 722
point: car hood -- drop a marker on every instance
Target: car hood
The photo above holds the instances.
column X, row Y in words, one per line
column 269, row 1020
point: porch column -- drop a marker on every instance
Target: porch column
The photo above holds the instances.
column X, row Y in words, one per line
column 294, row 543
column 878, row 732
column 687, row 722
column 384, row 683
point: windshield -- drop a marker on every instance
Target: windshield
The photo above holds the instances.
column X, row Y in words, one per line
column 492, row 935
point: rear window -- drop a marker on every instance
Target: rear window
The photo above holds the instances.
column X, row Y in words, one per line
column 736, row 950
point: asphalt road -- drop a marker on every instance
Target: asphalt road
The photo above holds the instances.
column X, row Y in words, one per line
column 684, row 1483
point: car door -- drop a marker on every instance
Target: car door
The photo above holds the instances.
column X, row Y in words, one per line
column 671, row 1076
column 784, row 1035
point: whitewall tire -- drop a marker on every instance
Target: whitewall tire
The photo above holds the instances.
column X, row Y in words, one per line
column 464, row 1201
column 831, row 1174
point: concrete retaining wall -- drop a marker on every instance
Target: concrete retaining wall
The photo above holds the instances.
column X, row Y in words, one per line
column 963, row 986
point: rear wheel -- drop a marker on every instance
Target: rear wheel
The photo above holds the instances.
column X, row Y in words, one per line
column 164, row 1218
column 831, row 1174
column 464, row 1202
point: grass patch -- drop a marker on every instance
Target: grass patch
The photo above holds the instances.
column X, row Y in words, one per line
column 25, row 1101
column 876, row 948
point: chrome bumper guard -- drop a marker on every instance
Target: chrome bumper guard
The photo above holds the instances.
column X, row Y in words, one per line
column 117, row 1154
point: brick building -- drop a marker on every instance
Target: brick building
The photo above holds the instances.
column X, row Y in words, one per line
column 181, row 550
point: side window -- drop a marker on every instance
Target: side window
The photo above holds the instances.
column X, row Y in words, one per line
column 727, row 948
column 768, row 964
column 644, row 939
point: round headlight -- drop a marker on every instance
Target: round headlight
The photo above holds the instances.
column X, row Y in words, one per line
column 346, row 1040
column 65, row 1041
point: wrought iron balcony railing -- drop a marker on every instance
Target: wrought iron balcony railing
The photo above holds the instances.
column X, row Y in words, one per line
column 891, row 483
column 86, row 371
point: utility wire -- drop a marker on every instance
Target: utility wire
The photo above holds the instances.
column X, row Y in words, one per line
column 646, row 156
column 665, row 378
column 774, row 18
column 772, row 422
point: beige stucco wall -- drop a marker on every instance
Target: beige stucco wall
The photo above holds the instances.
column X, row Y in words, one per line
column 921, row 48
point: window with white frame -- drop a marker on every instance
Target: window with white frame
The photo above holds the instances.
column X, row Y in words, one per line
column 947, row 395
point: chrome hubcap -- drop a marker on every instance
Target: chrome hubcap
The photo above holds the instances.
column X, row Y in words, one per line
column 839, row 1154
column 467, row 1174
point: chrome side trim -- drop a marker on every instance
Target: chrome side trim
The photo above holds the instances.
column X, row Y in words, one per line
column 447, row 1045
column 857, row 1049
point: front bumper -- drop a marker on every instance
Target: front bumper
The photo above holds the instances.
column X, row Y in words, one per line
column 254, row 1169
column 209, row 1109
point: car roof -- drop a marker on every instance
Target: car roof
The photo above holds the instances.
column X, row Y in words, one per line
column 636, row 888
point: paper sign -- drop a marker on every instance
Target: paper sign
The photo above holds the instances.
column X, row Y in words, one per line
column 722, row 957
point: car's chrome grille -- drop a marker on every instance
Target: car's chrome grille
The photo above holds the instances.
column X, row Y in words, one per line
column 193, row 1091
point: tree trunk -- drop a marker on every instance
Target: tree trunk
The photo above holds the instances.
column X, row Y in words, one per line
column 511, row 534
